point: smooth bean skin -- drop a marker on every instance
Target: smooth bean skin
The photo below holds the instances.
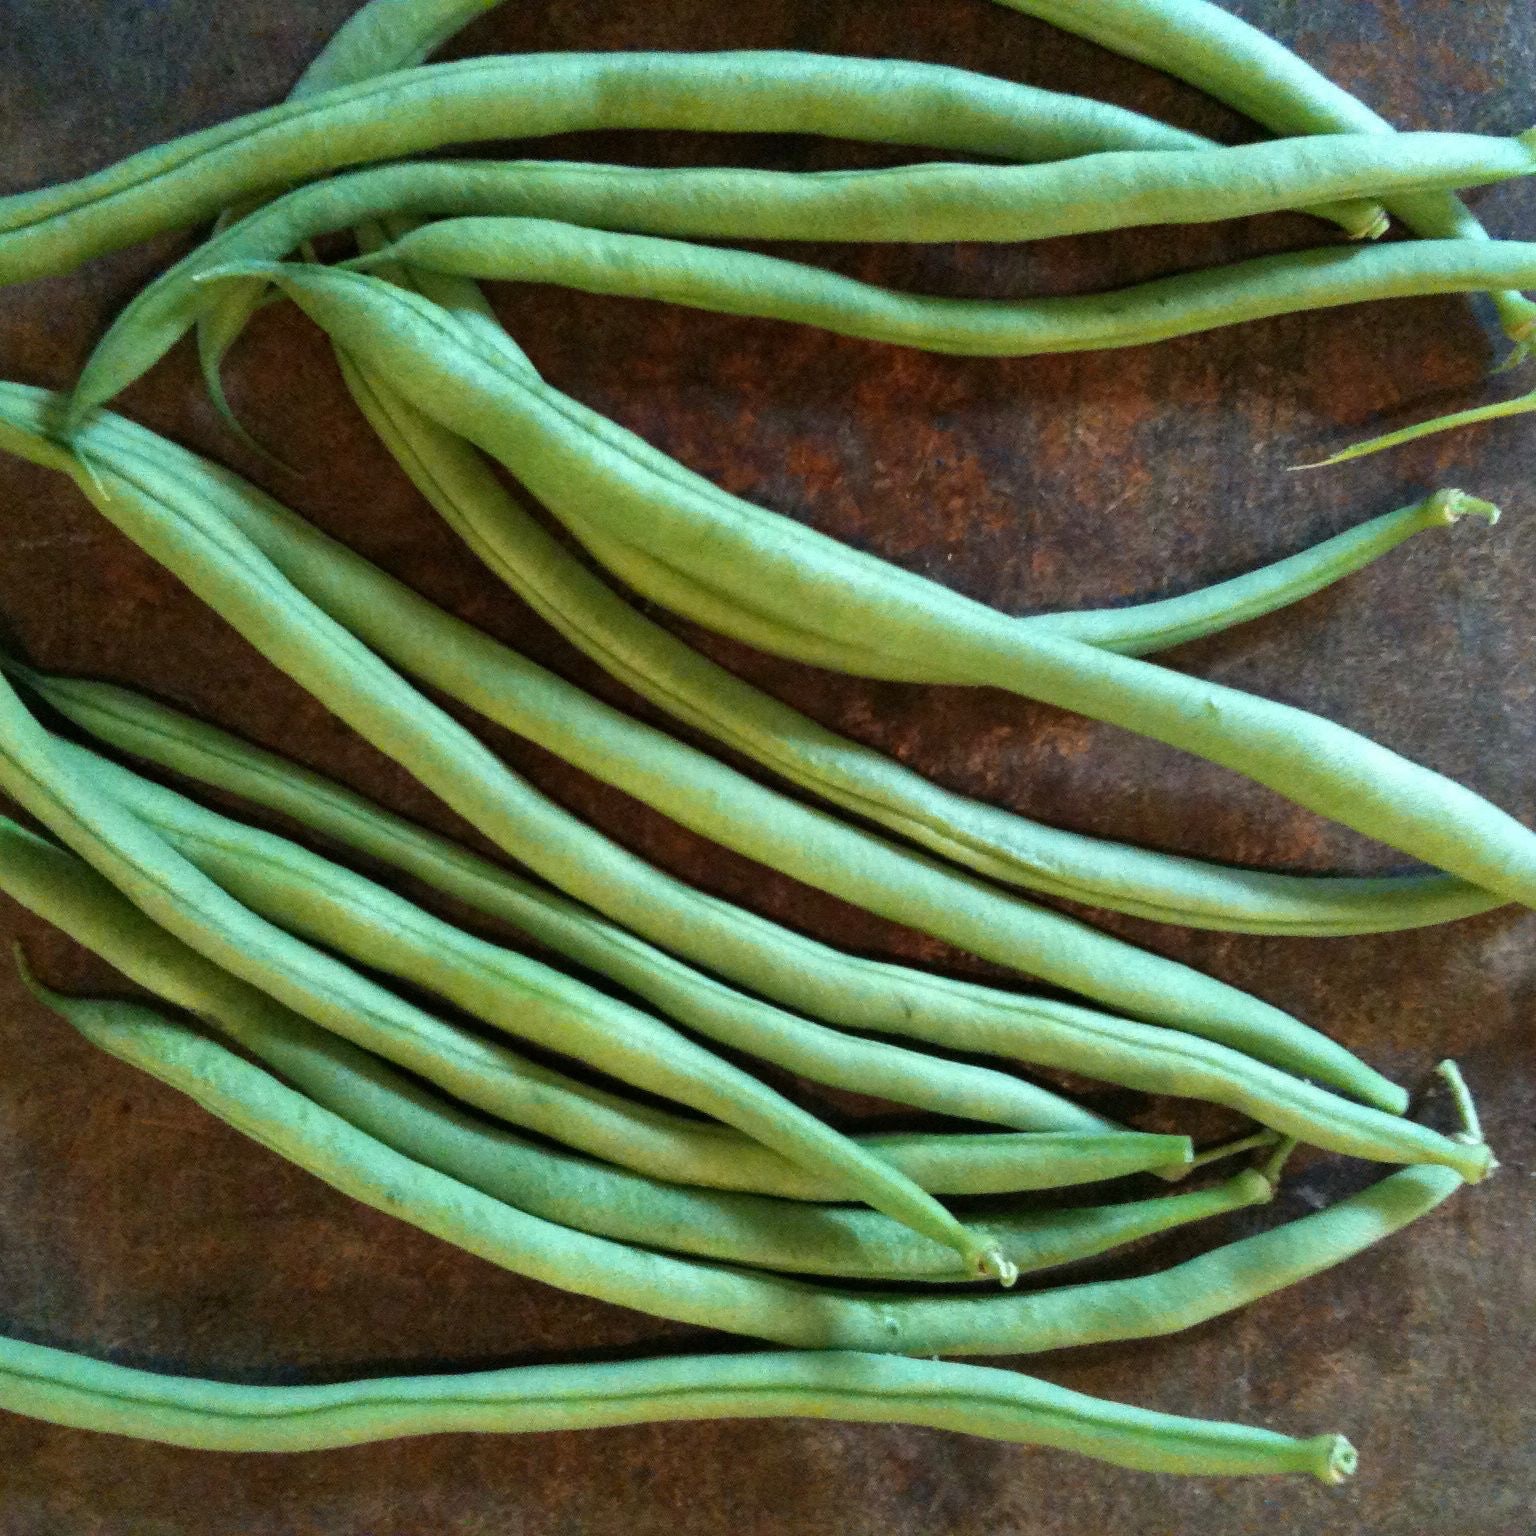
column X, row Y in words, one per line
column 564, row 1187
column 1235, row 62
column 451, row 475
column 890, row 101
column 916, row 203
column 747, row 283
column 735, row 811
column 662, row 1146
column 172, row 891
column 1149, row 1059
column 83, row 1393
column 957, row 1016
column 763, row 578
column 778, row 1308
column 1140, row 315
column 328, row 904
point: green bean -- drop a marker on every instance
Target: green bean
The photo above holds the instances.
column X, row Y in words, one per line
column 649, row 659
column 1149, row 312
column 383, row 36
column 928, row 203
column 326, row 903
column 83, row 1393
column 1052, row 1034
column 534, row 95
column 777, row 584
column 564, row 1187
column 233, row 573
column 173, row 892
column 1499, row 410
column 736, row 811
column 1242, row 66
column 779, row 1308
column 746, row 283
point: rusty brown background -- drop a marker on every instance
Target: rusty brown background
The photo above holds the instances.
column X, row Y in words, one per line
column 133, row 1227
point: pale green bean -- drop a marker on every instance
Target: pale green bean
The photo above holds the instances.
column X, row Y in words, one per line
column 83, row 1393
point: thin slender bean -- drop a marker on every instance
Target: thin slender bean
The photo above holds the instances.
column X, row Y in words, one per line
column 923, row 203
column 329, row 904
column 747, row 283
column 1054, row 1034
column 534, row 95
column 1499, row 410
column 775, row 583
column 172, row 891
column 564, row 1187
column 1244, row 67
column 736, row 811
column 232, row 572
column 84, row 1393
column 1149, row 312
column 779, row 1308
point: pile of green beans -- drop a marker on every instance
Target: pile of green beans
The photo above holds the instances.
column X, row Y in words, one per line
column 736, row 1209
column 772, row 582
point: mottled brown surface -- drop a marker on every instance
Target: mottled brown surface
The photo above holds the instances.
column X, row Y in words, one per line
column 133, row 1227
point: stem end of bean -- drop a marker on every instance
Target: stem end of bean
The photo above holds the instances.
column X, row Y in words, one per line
column 1340, row 1462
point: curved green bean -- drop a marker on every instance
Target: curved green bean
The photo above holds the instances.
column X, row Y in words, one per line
column 774, row 583
column 734, row 810
column 661, row 667
column 84, row 1393
column 328, row 904
column 534, row 95
column 736, row 282
column 923, row 203
column 172, row 891
column 1150, row 1059
column 1242, row 66
column 577, row 1191
column 774, row 1307
column 1149, row 312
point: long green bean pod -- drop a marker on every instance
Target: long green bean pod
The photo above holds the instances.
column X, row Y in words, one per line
column 331, row 905
column 1150, row 1059
column 729, row 281
column 453, row 478
column 734, row 810
column 906, row 203
column 173, row 892
column 226, row 569
column 577, row 1191
column 535, row 95
column 779, row 1308
column 1238, row 64
column 84, row 1393
column 777, row 584
column 1148, row 312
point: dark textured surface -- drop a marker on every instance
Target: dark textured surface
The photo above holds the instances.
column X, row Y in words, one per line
column 133, row 1227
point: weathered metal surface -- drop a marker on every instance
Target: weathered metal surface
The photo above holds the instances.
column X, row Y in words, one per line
column 135, row 1228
